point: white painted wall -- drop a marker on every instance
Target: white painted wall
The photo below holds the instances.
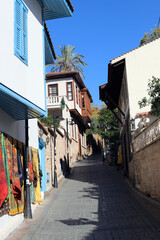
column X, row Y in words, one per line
column 77, row 105
column 141, row 64
column 27, row 81
column 62, row 89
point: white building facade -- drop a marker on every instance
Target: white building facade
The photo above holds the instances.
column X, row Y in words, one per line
column 25, row 50
column 68, row 88
column 128, row 77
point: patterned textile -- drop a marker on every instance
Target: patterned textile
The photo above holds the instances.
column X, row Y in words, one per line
column 8, row 142
column 30, row 166
column 17, row 205
column 16, row 187
column 4, row 208
column 32, row 193
column 37, row 189
column 19, row 160
column 5, row 162
column 3, row 180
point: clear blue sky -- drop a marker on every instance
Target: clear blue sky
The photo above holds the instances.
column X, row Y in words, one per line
column 102, row 30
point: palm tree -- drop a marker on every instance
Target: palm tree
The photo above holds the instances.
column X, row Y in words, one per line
column 68, row 61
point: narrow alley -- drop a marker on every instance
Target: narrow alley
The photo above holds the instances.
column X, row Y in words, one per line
column 95, row 203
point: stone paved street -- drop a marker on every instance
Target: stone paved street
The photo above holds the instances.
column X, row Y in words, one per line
column 94, row 203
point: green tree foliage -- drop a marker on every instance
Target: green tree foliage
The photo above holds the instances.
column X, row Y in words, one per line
column 154, row 96
column 108, row 127
column 105, row 124
column 148, row 37
column 49, row 121
column 69, row 61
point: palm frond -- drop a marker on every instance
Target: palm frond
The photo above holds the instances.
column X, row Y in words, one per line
column 68, row 60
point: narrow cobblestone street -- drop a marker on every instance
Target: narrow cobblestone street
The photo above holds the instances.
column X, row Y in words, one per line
column 94, row 203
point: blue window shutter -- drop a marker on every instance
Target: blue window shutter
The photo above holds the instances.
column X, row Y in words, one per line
column 20, row 34
column 18, row 27
column 24, row 35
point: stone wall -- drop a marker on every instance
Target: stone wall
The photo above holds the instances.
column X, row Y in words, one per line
column 144, row 169
column 61, row 152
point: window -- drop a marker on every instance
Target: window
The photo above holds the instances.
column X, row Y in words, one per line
column 20, row 31
column 83, row 101
column 69, row 91
column 79, row 93
column 53, row 90
column 76, row 94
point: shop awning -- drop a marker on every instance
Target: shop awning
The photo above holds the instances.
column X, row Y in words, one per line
column 18, row 107
column 53, row 9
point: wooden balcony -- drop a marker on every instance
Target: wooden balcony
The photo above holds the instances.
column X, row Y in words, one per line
column 86, row 106
column 55, row 101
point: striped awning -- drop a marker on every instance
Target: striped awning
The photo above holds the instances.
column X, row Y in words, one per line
column 18, row 107
column 53, row 9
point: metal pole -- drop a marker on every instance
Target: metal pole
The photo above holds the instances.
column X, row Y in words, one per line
column 55, row 168
column 68, row 170
column 28, row 212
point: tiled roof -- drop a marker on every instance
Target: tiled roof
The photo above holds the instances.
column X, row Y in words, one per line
column 135, row 49
column 143, row 114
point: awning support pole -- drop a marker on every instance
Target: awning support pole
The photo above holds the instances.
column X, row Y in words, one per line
column 28, row 212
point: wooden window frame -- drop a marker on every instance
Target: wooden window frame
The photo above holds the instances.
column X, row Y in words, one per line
column 83, row 100
column 68, row 91
column 76, row 94
column 55, row 84
column 80, row 102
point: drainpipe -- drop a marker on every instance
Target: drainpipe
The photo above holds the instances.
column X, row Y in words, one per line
column 28, row 212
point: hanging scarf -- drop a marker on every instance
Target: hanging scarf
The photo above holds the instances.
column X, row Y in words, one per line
column 30, row 166
column 5, row 162
column 3, row 180
column 8, row 142
column 37, row 189
column 17, row 206
column 15, row 174
column 31, row 177
column 20, row 169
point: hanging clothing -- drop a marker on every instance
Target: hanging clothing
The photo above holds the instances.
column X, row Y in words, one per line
column 16, row 205
column 20, row 168
column 37, row 189
column 4, row 208
column 5, row 162
column 16, row 187
column 32, row 193
column 3, row 179
column 8, row 142
column 30, row 166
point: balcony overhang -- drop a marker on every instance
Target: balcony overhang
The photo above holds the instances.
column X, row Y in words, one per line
column 79, row 119
column 110, row 92
column 53, row 9
column 18, row 107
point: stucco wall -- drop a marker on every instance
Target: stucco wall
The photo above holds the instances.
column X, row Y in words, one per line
column 62, row 91
column 141, row 64
column 16, row 129
column 61, row 153
column 27, row 81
